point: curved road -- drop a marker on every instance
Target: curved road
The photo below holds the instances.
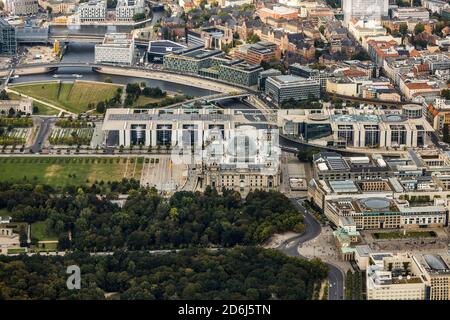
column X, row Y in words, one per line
column 312, row 230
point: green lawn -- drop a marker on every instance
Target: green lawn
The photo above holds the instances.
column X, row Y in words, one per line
column 39, row 232
column 45, row 110
column 408, row 234
column 73, row 97
column 61, row 171
column 4, row 213
column 16, row 250
column 143, row 100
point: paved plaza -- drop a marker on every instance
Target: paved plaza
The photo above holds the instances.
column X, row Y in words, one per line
column 160, row 172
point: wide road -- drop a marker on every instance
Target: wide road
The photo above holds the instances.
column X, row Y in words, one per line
column 43, row 131
column 312, row 230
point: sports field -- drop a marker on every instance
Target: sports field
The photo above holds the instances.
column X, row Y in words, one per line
column 74, row 97
column 61, row 171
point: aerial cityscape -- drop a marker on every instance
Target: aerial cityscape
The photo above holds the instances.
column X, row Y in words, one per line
column 225, row 150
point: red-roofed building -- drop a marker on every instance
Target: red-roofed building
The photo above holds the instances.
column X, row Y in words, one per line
column 379, row 50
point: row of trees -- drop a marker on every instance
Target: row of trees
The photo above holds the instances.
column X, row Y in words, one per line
column 21, row 122
column 22, row 198
column 353, row 285
column 73, row 139
column 135, row 90
column 72, row 123
column 101, row 106
column 310, row 103
column 238, row 273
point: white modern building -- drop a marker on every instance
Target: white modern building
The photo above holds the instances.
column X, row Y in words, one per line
column 236, row 3
column 362, row 29
column 435, row 6
column 364, row 9
column 395, row 277
column 286, row 87
column 230, row 155
column 162, row 127
column 92, row 11
column 22, row 7
column 116, row 48
column 126, row 9
column 355, row 128
column 419, row 13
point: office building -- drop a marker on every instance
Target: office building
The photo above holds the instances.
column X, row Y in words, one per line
column 91, row 11
column 303, row 71
column 126, row 9
column 116, row 48
column 157, row 49
column 32, row 35
column 395, row 277
column 419, row 13
column 231, row 155
column 241, row 73
column 277, row 13
column 22, row 7
column 364, row 9
column 285, row 87
column 191, row 61
column 8, row 40
column 264, row 75
column 213, row 64
column 60, row 6
column 256, row 53
column 355, row 128
column 436, row 269
column 437, row 62
column 383, row 213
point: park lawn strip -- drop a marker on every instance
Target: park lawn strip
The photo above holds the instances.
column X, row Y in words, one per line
column 40, row 233
column 14, row 96
column 62, row 171
column 408, row 234
column 143, row 101
column 4, row 213
column 44, row 110
column 73, row 97
column 16, row 250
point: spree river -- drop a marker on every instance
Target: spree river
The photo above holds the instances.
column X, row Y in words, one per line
column 84, row 52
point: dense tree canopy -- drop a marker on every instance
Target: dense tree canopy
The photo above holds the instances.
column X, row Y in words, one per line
column 148, row 221
column 238, row 273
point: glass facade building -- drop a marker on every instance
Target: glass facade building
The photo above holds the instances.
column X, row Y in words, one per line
column 8, row 40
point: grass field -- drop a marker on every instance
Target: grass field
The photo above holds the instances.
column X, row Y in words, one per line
column 61, row 171
column 16, row 250
column 39, row 232
column 73, row 97
column 42, row 108
column 143, row 100
column 400, row 235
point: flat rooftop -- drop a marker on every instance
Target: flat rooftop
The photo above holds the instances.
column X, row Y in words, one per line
column 201, row 53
